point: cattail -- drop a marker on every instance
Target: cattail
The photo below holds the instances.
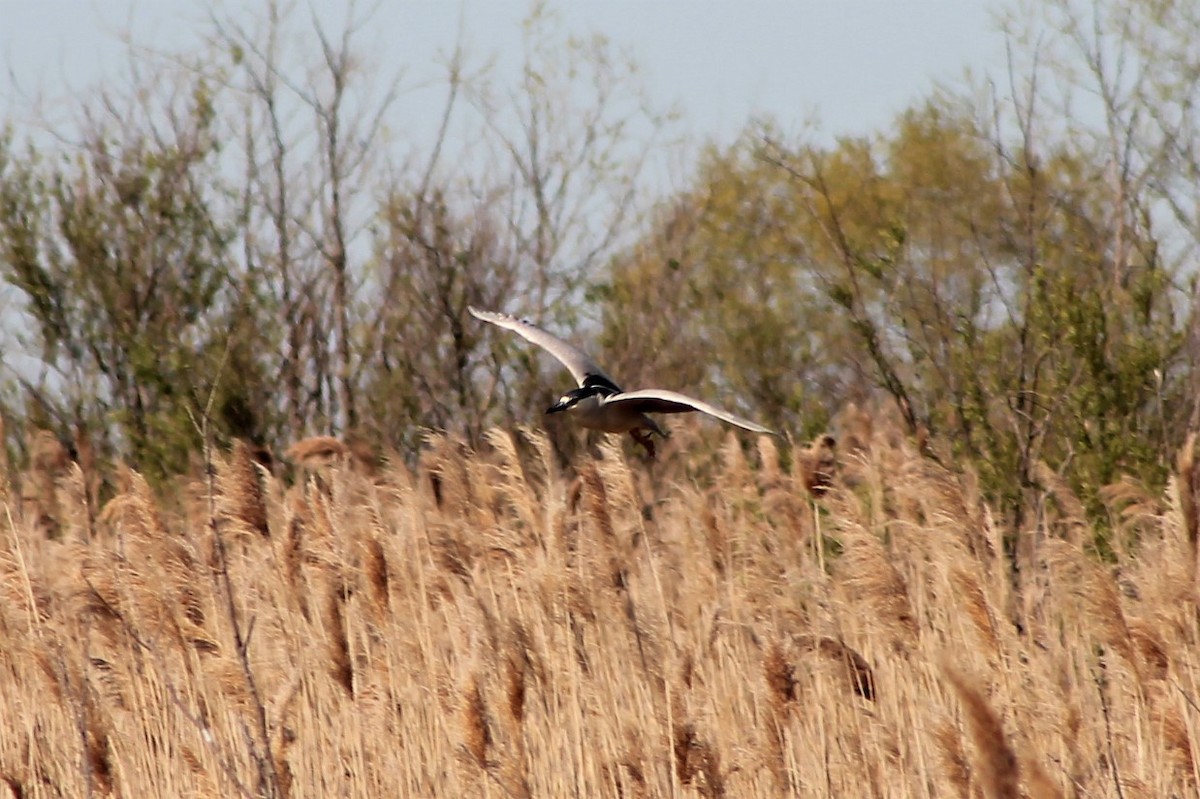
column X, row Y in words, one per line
column 283, row 767
column 98, row 748
column 5, row 471
column 342, row 668
column 240, row 484
column 855, row 669
column 515, row 686
column 595, row 497
column 780, row 675
column 1139, row 508
column 181, row 565
column 696, row 762
column 817, row 465
column 867, row 570
column 519, row 494
column 476, row 732
column 293, row 555
column 997, row 763
column 1189, row 489
column 73, row 503
column 771, row 473
column 1177, row 741
column 445, row 464
column 1039, row 784
column 48, row 458
column 1074, row 514
column 856, row 428
column 378, row 580
column 88, row 465
column 317, row 453
column 1151, row 648
column 954, row 760
column 780, row 501
column 16, row 785
column 979, row 610
column 735, row 476
column 620, row 479
column 1098, row 590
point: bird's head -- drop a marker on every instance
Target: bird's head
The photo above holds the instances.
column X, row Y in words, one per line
column 573, row 397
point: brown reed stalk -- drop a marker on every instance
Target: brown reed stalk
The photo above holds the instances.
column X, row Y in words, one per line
column 996, row 762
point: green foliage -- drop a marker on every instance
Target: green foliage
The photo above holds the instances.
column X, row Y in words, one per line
column 975, row 286
column 122, row 267
column 1011, row 292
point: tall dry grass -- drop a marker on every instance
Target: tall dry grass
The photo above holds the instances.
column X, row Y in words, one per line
column 488, row 624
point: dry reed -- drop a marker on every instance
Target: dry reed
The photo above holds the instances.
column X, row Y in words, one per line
column 491, row 623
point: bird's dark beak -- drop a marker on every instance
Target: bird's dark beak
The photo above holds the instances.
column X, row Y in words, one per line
column 556, row 407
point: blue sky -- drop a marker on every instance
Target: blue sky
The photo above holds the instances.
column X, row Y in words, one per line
column 853, row 64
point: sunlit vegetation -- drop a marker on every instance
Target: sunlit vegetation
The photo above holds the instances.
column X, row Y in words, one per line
column 487, row 623
column 278, row 518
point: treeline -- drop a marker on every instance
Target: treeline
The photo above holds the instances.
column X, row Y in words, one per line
column 242, row 240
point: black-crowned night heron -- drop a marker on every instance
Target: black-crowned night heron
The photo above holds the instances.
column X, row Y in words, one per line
column 599, row 403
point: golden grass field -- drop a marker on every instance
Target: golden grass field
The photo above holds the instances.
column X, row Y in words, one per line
column 488, row 625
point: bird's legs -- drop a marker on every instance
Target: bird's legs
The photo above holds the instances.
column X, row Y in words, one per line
column 644, row 438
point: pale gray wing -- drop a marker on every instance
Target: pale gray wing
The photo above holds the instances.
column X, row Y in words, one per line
column 576, row 360
column 656, row 400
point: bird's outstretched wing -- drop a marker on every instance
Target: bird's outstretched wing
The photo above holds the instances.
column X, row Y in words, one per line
column 656, row 400
column 579, row 363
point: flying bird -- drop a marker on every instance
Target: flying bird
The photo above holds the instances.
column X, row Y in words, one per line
column 599, row 403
